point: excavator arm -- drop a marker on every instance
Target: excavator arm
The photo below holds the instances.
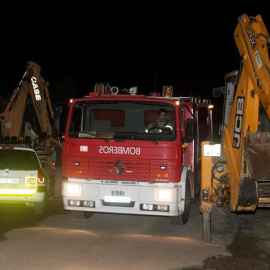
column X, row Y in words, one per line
column 246, row 147
column 33, row 85
column 253, row 42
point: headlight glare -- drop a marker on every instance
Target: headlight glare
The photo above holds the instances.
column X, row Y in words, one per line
column 164, row 195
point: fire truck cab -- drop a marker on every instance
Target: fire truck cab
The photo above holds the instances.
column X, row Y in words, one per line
column 113, row 162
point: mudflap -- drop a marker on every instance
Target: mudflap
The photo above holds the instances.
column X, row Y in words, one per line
column 258, row 155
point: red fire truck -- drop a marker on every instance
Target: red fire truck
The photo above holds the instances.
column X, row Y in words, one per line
column 114, row 163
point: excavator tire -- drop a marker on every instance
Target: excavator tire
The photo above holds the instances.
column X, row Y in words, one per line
column 222, row 220
column 81, row 214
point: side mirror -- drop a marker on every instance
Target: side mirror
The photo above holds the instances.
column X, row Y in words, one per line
column 62, row 138
column 190, row 130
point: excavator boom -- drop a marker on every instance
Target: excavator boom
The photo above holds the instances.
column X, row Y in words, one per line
column 247, row 138
column 32, row 85
column 253, row 41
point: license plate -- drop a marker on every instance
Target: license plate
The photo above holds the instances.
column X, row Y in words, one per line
column 9, row 181
column 118, row 193
column 9, row 186
column 211, row 150
column 119, row 199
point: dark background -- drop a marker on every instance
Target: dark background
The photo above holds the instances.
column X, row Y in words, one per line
column 187, row 45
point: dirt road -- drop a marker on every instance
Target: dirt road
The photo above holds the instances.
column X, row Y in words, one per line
column 105, row 241
column 250, row 249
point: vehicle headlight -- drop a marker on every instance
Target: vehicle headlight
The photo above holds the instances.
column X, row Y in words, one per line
column 71, row 189
column 164, row 195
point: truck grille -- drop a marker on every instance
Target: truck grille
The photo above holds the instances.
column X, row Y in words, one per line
column 132, row 170
column 121, row 170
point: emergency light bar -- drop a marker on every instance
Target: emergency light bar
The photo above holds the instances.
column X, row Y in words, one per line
column 101, row 89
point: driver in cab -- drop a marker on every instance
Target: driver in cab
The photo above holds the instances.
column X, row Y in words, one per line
column 161, row 125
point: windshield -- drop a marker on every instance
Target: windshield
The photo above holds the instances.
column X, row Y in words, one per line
column 123, row 120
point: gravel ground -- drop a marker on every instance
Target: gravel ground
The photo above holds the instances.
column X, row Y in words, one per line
column 250, row 248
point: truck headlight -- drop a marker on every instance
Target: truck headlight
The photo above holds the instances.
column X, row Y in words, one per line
column 72, row 190
column 163, row 195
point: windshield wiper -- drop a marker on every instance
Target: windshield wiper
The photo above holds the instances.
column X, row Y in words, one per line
column 92, row 134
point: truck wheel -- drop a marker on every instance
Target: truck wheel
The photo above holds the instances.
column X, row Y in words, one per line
column 222, row 220
column 39, row 208
column 183, row 219
column 81, row 214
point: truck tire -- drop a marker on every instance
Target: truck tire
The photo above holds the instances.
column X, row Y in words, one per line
column 39, row 208
column 222, row 220
column 81, row 214
column 183, row 219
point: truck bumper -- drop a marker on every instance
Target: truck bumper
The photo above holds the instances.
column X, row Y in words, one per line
column 133, row 198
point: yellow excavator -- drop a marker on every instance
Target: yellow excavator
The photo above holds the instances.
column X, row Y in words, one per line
column 236, row 172
column 32, row 92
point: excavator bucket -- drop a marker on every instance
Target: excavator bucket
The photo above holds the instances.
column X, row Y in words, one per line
column 258, row 155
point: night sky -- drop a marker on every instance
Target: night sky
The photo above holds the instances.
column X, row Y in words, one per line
column 125, row 45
